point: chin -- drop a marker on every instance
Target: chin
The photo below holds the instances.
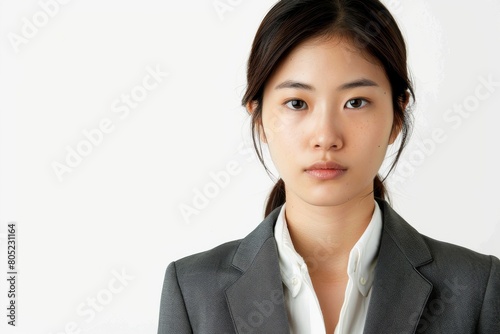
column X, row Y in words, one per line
column 335, row 197
column 328, row 199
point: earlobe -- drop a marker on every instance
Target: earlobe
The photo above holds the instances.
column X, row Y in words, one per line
column 251, row 107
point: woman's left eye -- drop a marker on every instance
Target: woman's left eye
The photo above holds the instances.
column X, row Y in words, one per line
column 356, row 103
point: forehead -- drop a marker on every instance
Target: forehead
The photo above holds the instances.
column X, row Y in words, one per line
column 330, row 60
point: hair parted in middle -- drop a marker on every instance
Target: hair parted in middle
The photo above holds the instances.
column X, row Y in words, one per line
column 366, row 24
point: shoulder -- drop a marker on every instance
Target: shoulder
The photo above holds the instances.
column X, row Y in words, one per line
column 464, row 269
column 451, row 256
column 213, row 260
column 229, row 260
column 438, row 259
column 464, row 282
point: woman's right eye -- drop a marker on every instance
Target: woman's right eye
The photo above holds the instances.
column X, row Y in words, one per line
column 296, row 104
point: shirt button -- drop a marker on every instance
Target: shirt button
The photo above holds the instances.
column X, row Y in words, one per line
column 295, row 281
column 362, row 280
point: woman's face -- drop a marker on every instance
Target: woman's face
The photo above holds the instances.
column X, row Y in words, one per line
column 327, row 118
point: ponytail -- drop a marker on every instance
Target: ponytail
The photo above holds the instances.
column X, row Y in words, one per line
column 379, row 189
column 276, row 197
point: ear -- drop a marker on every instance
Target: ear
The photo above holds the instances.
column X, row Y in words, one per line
column 251, row 107
column 398, row 123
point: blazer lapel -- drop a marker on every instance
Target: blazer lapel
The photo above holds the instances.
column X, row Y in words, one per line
column 256, row 299
column 399, row 292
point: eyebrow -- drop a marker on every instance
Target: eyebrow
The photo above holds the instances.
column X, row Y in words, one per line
column 358, row 83
column 348, row 85
column 294, row 84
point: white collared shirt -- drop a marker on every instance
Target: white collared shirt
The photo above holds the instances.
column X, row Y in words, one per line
column 304, row 311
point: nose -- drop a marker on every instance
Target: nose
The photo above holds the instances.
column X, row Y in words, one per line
column 327, row 131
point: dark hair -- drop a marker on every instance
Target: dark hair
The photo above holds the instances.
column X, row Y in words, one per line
column 366, row 23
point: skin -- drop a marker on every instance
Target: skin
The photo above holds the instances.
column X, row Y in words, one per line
column 321, row 119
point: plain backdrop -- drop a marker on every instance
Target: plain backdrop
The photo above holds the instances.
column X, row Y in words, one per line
column 118, row 211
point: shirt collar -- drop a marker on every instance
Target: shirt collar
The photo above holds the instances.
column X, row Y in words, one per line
column 362, row 258
column 291, row 263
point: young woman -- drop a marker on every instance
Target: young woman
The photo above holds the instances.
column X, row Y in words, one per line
column 328, row 93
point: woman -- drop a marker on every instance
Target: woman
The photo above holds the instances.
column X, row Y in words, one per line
column 328, row 93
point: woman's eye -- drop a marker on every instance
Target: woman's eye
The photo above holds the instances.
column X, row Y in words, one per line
column 296, row 104
column 356, row 103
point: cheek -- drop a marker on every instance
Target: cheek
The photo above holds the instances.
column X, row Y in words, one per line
column 281, row 129
column 381, row 128
column 373, row 142
column 271, row 124
column 284, row 144
column 280, row 146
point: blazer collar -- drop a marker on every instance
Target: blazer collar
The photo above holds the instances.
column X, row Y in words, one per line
column 256, row 299
column 399, row 294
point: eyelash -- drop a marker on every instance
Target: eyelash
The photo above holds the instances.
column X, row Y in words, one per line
column 294, row 100
column 364, row 102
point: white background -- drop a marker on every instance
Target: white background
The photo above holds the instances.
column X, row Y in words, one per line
column 119, row 209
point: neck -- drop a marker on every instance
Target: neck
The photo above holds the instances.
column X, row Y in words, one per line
column 325, row 235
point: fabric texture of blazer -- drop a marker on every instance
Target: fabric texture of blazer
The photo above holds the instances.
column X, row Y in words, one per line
column 421, row 286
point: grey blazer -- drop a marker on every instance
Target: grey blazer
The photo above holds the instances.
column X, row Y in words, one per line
column 421, row 286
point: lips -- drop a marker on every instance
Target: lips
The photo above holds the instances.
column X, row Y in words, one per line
column 326, row 165
column 326, row 170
